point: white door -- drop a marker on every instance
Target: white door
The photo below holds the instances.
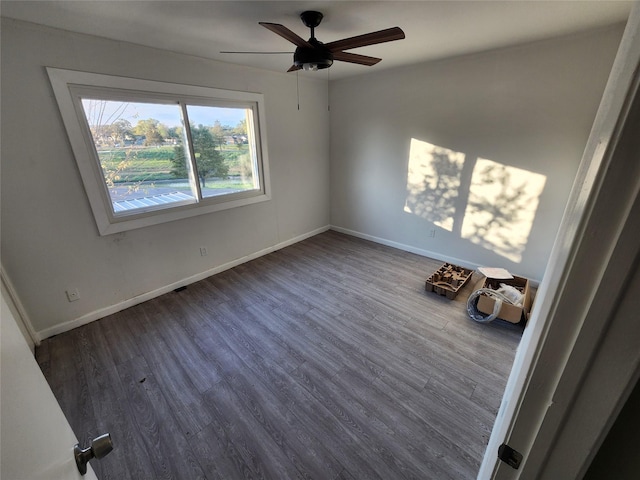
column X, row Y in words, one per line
column 37, row 441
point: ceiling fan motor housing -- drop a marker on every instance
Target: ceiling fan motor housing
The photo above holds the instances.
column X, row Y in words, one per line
column 318, row 55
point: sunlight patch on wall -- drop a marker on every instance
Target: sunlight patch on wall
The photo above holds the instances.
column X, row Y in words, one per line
column 501, row 207
column 490, row 204
column 433, row 182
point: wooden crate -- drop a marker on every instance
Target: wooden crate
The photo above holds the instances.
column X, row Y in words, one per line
column 448, row 280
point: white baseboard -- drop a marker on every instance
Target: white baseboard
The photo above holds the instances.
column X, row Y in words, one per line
column 418, row 251
column 103, row 312
column 408, row 248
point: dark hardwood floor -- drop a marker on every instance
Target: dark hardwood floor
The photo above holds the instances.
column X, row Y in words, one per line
column 325, row 360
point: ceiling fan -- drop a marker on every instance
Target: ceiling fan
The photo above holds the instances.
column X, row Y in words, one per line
column 312, row 54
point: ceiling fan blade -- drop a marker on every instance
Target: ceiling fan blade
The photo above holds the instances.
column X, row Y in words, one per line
column 381, row 36
column 294, row 68
column 287, row 34
column 355, row 58
column 258, row 53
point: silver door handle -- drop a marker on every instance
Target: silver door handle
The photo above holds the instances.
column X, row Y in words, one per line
column 100, row 447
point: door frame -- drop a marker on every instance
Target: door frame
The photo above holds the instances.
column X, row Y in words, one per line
column 567, row 349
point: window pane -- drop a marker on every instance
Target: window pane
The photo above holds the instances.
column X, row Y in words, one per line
column 221, row 144
column 141, row 152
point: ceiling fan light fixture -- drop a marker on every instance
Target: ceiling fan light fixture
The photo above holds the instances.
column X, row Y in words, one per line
column 315, row 66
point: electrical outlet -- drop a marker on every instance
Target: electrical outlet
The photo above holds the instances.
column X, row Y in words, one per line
column 203, row 251
column 432, row 232
column 73, row 294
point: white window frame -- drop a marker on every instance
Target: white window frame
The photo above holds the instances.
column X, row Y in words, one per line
column 69, row 85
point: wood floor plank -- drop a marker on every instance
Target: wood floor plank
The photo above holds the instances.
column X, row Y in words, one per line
column 111, row 410
column 412, row 420
column 122, row 346
column 180, row 392
column 202, row 373
column 437, row 414
column 288, row 334
column 370, row 437
column 217, row 452
column 369, row 366
column 251, row 346
column 323, row 360
column 307, row 421
column 67, row 378
column 168, row 449
column 426, row 456
column 265, row 407
column 265, row 458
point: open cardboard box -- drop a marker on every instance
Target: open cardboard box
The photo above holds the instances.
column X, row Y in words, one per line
column 448, row 280
column 510, row 313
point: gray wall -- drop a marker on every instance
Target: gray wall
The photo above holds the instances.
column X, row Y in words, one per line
column 49, row 238
column 528, row 109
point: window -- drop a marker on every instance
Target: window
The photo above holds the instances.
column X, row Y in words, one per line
column 151, row 152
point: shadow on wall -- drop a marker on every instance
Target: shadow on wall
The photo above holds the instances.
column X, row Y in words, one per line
column 485, row 202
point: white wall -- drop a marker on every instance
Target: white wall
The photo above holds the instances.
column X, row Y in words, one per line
column 528, row 108
column 49, row 238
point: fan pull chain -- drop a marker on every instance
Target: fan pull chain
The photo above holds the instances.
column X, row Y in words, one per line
column 328, row 98
column 298, row 88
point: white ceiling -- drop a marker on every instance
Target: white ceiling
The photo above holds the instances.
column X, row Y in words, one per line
column 434, row 29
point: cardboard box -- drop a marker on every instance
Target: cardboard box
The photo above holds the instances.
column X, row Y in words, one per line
column 448, row 280
column 510, row 313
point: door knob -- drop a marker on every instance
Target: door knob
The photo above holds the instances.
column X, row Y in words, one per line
column 100, row 447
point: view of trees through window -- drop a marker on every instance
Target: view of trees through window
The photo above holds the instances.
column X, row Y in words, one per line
column 143, row 154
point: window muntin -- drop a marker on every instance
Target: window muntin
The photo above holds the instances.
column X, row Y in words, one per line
column 164, row 167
